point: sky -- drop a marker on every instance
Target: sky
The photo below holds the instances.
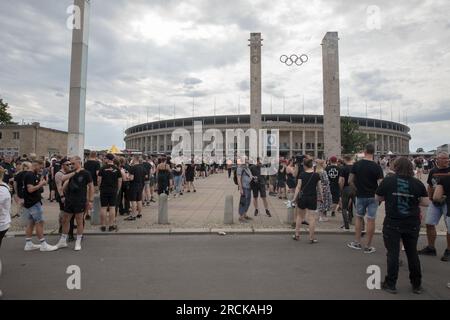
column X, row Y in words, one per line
column 160, row 59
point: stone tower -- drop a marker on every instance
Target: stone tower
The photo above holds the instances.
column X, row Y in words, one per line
column 78, row 74
column 331, row 96
column 255, row 81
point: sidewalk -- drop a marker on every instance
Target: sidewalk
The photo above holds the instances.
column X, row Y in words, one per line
column 203, row 212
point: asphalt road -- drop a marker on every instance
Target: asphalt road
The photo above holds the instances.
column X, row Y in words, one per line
column 209, row 267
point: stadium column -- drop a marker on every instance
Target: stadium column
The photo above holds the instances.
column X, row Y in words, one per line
column 255, row 83
column 303, row 142
column 383, row 150
column 316, row 145
column 165, row 143
column 291, row 142
column 331, row 95
column 145, row 144
column 151, row 144
column 157, row 144
column 78, row 73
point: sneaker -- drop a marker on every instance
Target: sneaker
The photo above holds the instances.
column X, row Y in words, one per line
column 78, row 245
column 242, row 220
column 305, row 223
column 387, row 288
column 417, row 289
column 103, row 229
column 428, row 251
column 112, row 228
column 130, row 218
column 88, row 217
column 268, row 213
column 30, row 246
column 354, row 245
column 369, row 250
column 152, row 200
column 70, row 238
column 323, row 219
column 139, row 216
column 61, row 244
column 45, row 247
column 181, row 193
column 256, row 212
column 333, row 214
column 446, row 255
column 247, row 218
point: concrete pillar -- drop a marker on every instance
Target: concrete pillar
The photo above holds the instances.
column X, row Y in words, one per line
column 157, row 143
column 228, row 212
column 304, row 142
column 291, row 144
column 165, row 142
column 78, row 74
column 316, row 147
column 383, row 149
column 331, row 95
column 255, row 82
column 145, row 144
column 151, row 144
column 163, row 216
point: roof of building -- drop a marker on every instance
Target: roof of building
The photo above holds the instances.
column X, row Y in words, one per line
column 26, row 126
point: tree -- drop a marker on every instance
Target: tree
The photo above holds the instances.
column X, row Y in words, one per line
column 352, row 139
column 5, row 116
column 420, row 150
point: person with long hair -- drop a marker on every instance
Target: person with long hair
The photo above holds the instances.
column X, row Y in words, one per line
column 403, row 195
column 325, row 204
column 307, row 194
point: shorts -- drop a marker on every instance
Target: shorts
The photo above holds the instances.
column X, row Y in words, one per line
column 272, row 180
column 152, row 181
column 434, row 214
column 281, row 183
column 135, row 192
column 147, row 182
column 108, row 200
column 307, row 202
column 366, row 205
column 34, row 213
column 335, row 194
column 259, row 189
column 74, row 208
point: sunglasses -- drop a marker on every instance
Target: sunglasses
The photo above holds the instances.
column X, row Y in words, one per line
column 67, row 164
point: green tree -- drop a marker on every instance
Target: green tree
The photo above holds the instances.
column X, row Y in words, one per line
column 5, row 116
column 420, row 150
column 352, row 139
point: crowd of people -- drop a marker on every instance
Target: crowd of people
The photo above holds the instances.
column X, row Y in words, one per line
column 356, row 188
column 316, row 188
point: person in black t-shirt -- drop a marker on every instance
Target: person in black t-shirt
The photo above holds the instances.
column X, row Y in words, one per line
column 79, row 192
column 34, row 183
column 347, row 192
column 136, row 177
column 365, row 176
column 332, row 171
column 308, row 187
column 437, row 209
column 441, row 195
column 258, row 186
column 19, row 187
column 147, row 196
column 110, row 181
column 403, row 194
column 92, row 165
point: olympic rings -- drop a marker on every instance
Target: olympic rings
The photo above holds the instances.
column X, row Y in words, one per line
column 297, row 59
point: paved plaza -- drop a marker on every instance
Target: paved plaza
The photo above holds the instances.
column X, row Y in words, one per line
column 203, row 212
column 210, row 267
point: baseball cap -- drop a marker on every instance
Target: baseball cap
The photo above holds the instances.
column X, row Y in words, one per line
column 333, row 159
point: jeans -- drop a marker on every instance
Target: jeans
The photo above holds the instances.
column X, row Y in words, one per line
column 245, row 201
column 178, row 181
column 366, row 206
column 392, row 234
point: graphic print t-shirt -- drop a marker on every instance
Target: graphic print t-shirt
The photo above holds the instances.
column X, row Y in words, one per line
column 333, row 175
column 402, row 197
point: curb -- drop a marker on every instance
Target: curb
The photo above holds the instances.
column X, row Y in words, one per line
column 205, row 231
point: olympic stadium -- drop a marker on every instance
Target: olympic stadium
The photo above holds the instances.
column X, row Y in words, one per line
column 299, row 134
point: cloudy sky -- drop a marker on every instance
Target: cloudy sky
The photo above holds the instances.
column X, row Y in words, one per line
column 152, row 59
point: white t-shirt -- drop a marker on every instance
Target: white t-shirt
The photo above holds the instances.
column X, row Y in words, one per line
column 5, row 207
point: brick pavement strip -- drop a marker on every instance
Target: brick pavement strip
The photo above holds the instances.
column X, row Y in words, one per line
column 203, row 212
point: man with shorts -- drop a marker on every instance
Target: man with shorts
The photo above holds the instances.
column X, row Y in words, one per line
column 147, row 194
column 34, row 184
column 436, row 209
column 110, row 182
column 79, row 196
column 136, row 177
column 365, row 177
column 441, row 194
column 258, row 186
column 333, row 176
column 60, row 198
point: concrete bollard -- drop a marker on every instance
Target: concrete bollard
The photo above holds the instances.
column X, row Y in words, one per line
column 228, row 213
column 290, row 211
column 163, row 216
column 95, row 213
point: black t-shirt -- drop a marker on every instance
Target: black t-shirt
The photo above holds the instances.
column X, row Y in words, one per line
column 92, row 166
column 147, row 169
column 402, row 197
column 138, row 172
column 255, row 169
column 178, row 170
column 333, row 175
column 19, row 179
column 367, row 173
column 445, row 183
column 436, row 174
column 110, row 178
column 77, row 188
column 309, row 183
column 345, row 173
column 30, row 199
column 9, row 171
